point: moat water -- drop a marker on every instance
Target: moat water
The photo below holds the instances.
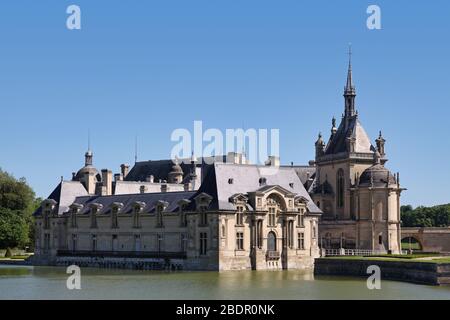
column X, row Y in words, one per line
column 22, row 282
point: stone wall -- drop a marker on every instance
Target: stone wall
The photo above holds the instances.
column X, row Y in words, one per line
column 417, row 272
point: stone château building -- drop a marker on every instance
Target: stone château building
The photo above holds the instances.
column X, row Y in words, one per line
column 223, row 213
column 359, row 196
column 241, row 216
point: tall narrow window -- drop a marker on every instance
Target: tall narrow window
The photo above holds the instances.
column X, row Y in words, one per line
column 290, row 234
column 115, row 242
column 46, row 242
column 272, row 216
column 94, row 242
column 159, row 217
column 300, row 219
column 183, row 242
column 203, row 216
column 74, row 242
column 94, row 218
column 73, row 218
column 340, row 188
column 183, row 218
column 239, row 241
column 160, row 242
column 240, row 216
column 136, row 217
column 114, row 218
column 137, row 242
column 259, row 234
column 46, row 220
column 301, row 241
column 203, row 243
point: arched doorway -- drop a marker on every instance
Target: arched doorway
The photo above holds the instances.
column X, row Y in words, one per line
column 271, row 241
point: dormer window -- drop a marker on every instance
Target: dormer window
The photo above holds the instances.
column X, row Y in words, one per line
column 262, row 181
column 291, row 185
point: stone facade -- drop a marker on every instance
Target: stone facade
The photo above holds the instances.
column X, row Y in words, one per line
column 215, row 227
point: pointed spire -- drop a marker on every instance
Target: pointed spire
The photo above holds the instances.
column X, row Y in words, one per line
column 135, row 149
column 349, row 85
column 349, row 90
column 88, row 155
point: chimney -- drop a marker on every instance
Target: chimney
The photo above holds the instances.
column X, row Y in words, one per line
column 118, row 177
column 150, row 178
column 89, row 182
column 273, row 161
column 107, row 181
column 236, row 158
column 124, row 167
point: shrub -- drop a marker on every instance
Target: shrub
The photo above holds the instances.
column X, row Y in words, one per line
column 8, row 253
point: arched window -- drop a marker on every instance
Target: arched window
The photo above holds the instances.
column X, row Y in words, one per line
column 271, row 241
column 340, row 186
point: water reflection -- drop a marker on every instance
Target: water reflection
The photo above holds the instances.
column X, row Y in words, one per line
column 50, row 283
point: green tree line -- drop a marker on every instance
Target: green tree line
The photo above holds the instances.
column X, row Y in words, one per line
column 436, row 216
column 17, row 203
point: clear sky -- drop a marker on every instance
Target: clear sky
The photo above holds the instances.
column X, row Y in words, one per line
column 146, row 68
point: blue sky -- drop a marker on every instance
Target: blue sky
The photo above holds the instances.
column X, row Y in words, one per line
column 146, row 68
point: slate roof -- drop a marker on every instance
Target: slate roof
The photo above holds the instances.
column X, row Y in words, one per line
column 160, row 168
column 64, row 194
column 150, row 200
column 246, row 178
column 338, row 142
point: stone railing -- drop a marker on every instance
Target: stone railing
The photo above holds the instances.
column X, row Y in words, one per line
column 272, row 255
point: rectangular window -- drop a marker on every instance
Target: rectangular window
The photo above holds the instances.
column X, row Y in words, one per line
column 259, row 234
column 94, row 219
column 183, row 219
column 136, row 219
column 160, row 242
column 114, row 218
column 46, row 242
column 239, row 241
column 74, row 219
column 47, row 220
column 94, row 242
column 203, row 243
column 183, row 242
column 272, row 216
column 301, row 241
column 300, row 219
column 240, row 216
column 203, row 217
column 291, row 234
column 74, row 242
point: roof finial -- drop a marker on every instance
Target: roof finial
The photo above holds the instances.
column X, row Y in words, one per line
column 349, row 85
column 135, row 149
column 89, row 140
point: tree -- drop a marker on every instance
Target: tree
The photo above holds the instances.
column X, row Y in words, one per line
column 17, row 203
column 437, row 216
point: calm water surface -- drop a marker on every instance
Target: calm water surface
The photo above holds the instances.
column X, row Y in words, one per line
column 17, row 282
